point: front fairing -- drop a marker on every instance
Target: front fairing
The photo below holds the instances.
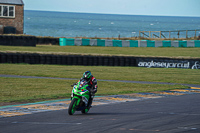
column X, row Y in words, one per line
column 81, row 90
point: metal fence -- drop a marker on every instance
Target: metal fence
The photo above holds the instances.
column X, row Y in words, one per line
column 170, row 34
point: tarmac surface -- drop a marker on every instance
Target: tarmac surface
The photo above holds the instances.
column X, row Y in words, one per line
column 166, row 111
column 173, row 114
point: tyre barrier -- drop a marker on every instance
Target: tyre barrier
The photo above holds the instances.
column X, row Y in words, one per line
column 88, row 60
column 45, row 40
column 18, row 40
column 84, row 60
column 26, row 40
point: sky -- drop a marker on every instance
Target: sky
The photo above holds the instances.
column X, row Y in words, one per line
column 129, row 7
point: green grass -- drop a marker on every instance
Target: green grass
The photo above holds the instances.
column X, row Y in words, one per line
column 172, row 75
column 27, row 90
column 94, row 50
column 30, row 90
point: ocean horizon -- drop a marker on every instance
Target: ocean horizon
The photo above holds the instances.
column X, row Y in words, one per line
column 72, row 24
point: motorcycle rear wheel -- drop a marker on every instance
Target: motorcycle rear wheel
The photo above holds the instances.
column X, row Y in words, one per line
column 72, row 107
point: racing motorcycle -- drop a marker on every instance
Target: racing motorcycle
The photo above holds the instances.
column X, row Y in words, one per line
column 79, row 98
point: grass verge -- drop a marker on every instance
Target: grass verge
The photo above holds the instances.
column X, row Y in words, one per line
column 122, row 51
column 171, row 75
column 32, row 90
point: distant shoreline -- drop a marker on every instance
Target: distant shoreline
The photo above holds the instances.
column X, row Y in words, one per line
column 106, row 38
column 112, row 14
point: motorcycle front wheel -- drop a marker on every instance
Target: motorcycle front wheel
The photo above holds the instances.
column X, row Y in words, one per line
column 72, row 107
column 85, row 110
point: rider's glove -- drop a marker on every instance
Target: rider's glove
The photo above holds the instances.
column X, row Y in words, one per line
column 92, row 92
column 73, row 84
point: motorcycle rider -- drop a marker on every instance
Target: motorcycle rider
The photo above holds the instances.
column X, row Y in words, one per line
column 92, row 83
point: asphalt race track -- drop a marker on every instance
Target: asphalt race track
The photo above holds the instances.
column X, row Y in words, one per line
column 174, row 114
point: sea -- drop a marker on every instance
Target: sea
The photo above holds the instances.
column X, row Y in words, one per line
column 69, row 24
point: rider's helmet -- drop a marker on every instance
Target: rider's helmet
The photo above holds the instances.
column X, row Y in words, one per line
column 87, row 75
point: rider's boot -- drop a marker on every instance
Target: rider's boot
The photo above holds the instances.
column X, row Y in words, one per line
column 90, row 103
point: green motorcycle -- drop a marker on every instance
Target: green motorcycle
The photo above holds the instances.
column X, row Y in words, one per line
column 80, row 98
